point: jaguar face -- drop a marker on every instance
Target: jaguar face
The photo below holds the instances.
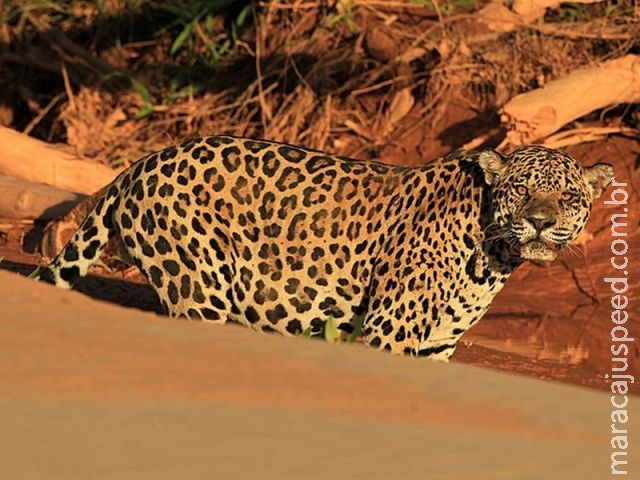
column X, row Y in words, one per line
column 541, row 198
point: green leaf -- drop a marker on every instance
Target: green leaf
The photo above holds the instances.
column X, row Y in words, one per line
column 331, row 332
column 306, row 333
column 141, row 90
column 183, row 37
column 351, row 25
column 183, row 11
column 175, row 10
column 147, row 99
column 357, row 329
column 243, row 15
column 209, row 24
column 346, row 16
column 330, row 22
column 35, row 273
column 144, row 112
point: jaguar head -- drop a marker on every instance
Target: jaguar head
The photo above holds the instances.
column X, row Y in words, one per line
column 541, row 198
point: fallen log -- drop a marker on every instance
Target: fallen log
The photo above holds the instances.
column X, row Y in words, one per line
column 534, row 115
column 25, row 200
column 35, row 161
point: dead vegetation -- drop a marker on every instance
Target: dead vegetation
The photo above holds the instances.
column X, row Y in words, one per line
column 364, row 78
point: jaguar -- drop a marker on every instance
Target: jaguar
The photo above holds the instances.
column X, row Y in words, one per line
column 282, row 238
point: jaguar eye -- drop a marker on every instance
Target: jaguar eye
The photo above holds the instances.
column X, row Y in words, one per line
column 567, row 196
column 521, row 190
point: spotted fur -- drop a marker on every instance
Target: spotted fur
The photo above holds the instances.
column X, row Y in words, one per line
column 280, row 238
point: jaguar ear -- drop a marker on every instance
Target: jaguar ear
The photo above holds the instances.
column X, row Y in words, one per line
column 493, row 165
column 598, row 178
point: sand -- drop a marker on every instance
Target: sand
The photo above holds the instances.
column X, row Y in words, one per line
column 92, row 390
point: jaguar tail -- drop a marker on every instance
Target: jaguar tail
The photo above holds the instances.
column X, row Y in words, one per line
column 85, row 245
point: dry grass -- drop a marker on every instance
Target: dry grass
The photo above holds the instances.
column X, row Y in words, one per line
column 296, row 75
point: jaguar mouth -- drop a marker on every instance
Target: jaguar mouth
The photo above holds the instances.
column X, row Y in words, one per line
column 538, row 250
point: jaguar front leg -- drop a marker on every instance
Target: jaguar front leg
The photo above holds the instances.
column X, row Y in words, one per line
column 412, row 316
column 413, row 334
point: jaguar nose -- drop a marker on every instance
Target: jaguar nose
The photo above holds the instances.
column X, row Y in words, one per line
column 541, row 223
